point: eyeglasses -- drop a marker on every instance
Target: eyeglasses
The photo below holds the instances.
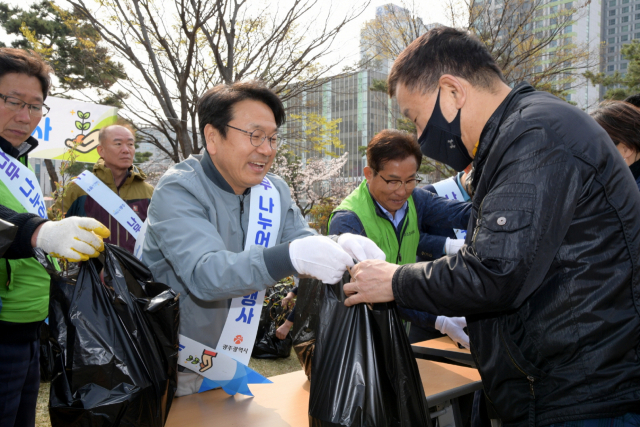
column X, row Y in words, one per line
column 395, row 184
column 258, row 136
column 12, row 103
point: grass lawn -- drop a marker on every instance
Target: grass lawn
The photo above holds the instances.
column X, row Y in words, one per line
column 266, row 367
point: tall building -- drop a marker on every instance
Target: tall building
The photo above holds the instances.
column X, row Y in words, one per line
column 620, row 25
column 575, row 28
column 363, row 113
column 385, row 36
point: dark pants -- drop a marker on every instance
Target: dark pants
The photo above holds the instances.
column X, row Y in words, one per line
column 19, row 383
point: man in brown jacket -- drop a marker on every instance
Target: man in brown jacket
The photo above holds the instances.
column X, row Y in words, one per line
column 115, row 168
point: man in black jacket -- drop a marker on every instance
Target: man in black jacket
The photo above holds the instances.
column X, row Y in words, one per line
column 549, row 276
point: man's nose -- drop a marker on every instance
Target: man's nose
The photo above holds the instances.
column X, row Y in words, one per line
column 22, row 115
column 402, row 191
column 265, row 148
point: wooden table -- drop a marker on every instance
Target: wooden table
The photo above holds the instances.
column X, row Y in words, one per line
column 286, row 401
column 444, row 347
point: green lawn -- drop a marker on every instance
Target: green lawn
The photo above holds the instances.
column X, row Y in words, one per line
column 267, row 367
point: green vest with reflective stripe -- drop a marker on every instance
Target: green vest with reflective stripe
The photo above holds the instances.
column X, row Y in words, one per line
column 25, row 294
column 381, row 230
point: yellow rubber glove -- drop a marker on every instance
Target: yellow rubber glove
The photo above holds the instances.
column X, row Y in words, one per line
column 74, row 239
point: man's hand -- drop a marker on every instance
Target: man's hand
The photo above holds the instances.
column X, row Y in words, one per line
column 319, row 257
column 360, row 247
column 283, row 330
column 74, row 239
column 288, row 300
column 452, row 326
column 370, row 282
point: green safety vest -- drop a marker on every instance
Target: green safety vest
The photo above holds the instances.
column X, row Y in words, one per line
column 381, row 230
column 25, row 297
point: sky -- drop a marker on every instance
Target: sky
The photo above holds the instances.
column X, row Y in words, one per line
column 347, row 42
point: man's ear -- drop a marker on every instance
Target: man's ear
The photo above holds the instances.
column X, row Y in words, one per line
column 368, row 173
column 99, row 148
column 212, row 138
column 452, row 91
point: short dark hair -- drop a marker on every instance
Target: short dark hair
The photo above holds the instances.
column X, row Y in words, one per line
column 634, row 99
column 392, row 144
column 621, row 121
column 444, row 50
column 215, row 107
column 26, row 62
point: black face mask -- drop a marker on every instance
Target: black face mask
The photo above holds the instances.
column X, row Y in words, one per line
column 442, row 140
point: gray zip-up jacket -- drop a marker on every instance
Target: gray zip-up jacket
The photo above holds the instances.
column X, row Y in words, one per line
column 195, row 244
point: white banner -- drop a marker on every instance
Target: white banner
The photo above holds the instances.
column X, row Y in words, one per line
column 69, row 123
column 110, row 201
column 244, row 314
column 23, row 184
column 449, row 189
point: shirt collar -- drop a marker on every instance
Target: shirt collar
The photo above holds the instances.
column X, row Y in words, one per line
column 214, row 174
column 400, row 213
column 21, row 150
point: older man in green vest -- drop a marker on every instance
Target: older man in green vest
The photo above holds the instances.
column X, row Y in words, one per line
column 24, row 289
column 389, row 209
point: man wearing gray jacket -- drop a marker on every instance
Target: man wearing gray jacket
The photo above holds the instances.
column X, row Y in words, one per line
column 199, row 235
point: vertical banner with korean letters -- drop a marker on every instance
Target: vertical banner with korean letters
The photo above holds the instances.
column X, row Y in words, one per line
column 241, row 327
column 449, row 189
column 23, row 184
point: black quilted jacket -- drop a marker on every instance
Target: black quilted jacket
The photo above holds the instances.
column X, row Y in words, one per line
column 549, row 278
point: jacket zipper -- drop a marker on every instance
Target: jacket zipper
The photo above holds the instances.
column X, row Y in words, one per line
column 478, row 223
column 241, row 198
column 531, row 380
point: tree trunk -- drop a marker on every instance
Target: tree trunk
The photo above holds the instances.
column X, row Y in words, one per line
column 53, row 176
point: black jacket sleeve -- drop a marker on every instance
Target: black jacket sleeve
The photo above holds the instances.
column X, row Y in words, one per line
column 27, row 224
column 522, row 220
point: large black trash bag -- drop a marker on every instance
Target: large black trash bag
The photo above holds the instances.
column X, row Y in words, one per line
column 273, row 315
column 7, row 234
column 305, row 324
column 115, row 345
column 363, row 371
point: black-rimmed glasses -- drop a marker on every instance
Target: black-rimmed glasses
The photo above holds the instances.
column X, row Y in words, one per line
column 395, row 184
column 12, row 103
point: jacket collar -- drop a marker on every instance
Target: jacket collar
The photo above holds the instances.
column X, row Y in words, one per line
column 488, row 134
column 26, row 147
column 635, row 169
column 215, row 176
column 105, row 175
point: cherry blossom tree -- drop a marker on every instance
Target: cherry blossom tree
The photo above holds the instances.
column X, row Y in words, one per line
column 315, row 181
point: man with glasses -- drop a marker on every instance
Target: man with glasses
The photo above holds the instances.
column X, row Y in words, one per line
column 24, row 283
column 220, row 227
column 389, row 209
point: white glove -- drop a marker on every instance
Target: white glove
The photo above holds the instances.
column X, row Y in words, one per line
column 360, row 247
column 319, row 257
column 452, row 326
column 452, row 246
column 74, row 239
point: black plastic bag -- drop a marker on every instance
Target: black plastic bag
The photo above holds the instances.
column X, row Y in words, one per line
column 7, row 234
column 46, row 354
column 363, row 371
column 305, row 324
column 115, row 345
column 273, row 315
